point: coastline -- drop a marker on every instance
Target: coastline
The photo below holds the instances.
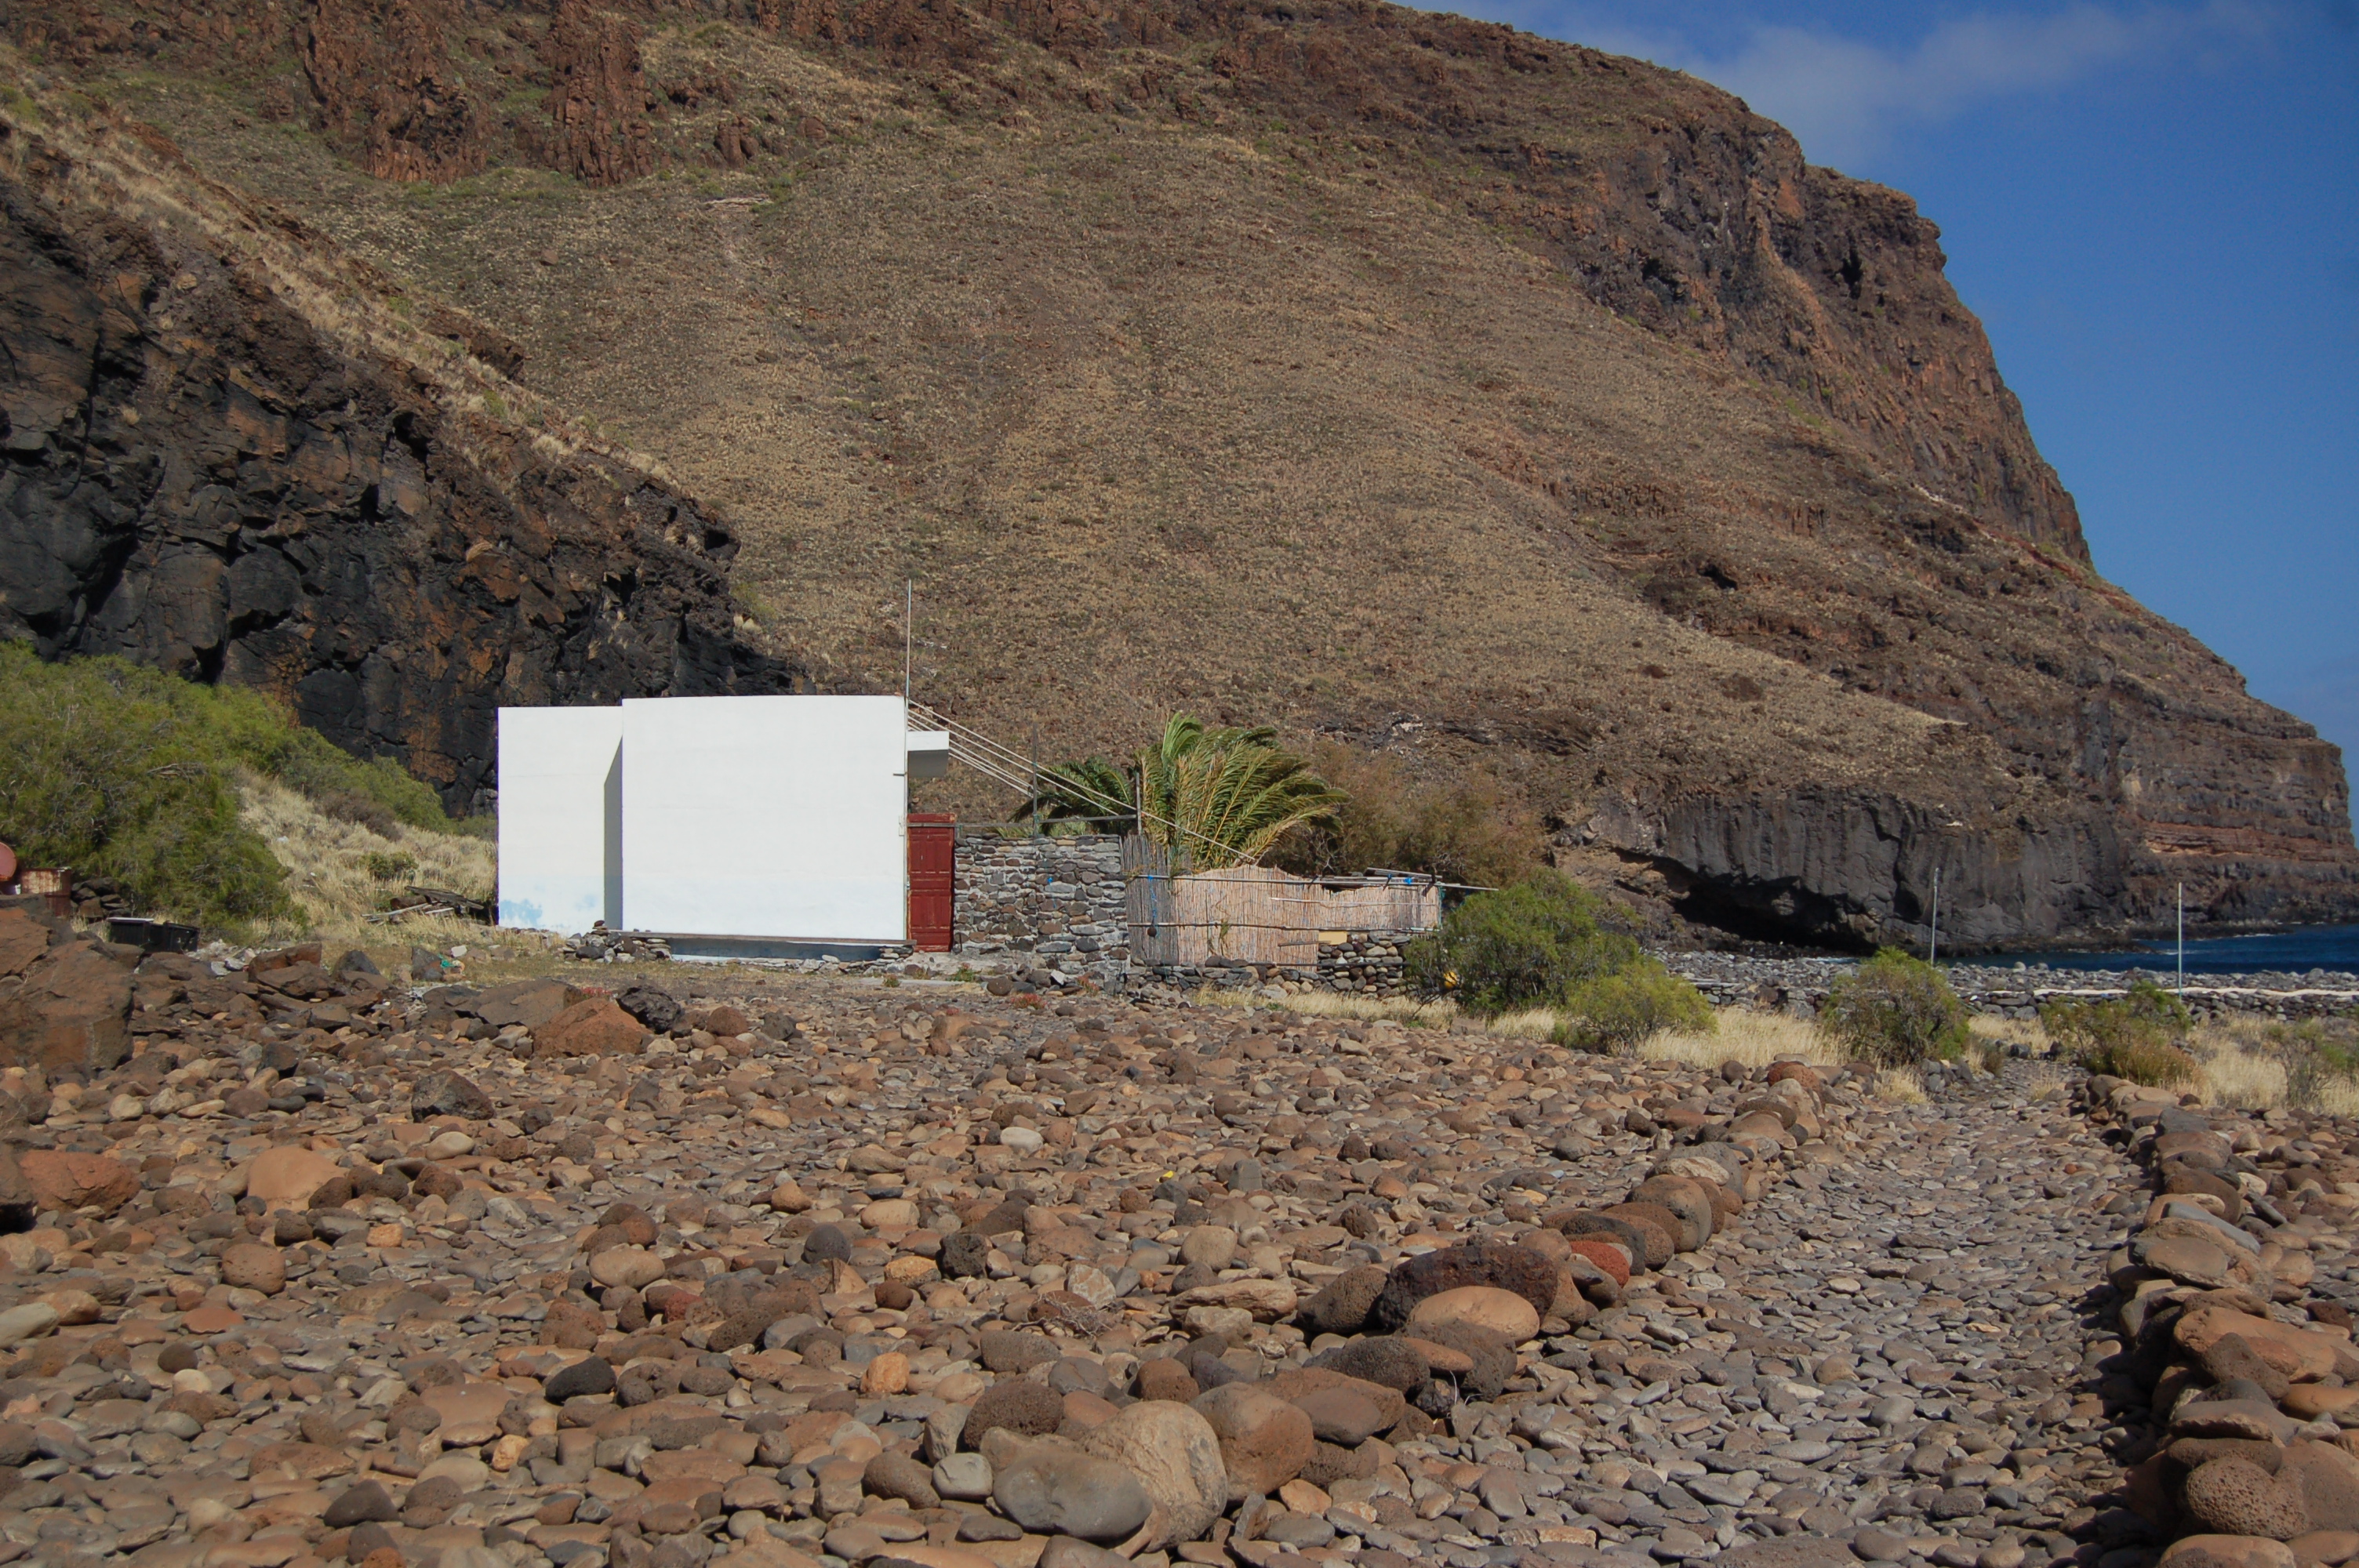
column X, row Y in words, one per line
column 2017, row 990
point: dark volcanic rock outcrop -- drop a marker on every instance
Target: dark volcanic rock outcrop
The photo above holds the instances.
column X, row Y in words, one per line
column 224, row 459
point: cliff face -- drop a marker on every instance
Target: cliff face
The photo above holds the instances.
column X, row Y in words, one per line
column 1374, row 372
column 221, row 467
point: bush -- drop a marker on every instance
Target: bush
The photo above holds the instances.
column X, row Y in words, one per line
column 2140, row 1036
column 102, row 770
column 1525, row 946
column 390, row 868
column 1620, row 1011
column 2320, row 1055
column 129, row 773
column 1462, row 832
column 1895, row 1011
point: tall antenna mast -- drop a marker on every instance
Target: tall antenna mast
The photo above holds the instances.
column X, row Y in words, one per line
column 908, row 621
column 1933, row 939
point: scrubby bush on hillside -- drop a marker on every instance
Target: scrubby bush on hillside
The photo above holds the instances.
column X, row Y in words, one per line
column 1525, row 946
column 1463, row 831
column 1896, row 1011
column 129, row 773
column 1620, row 1011
column 2140, row 1036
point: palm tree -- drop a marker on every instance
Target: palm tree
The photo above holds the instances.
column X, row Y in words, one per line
column 1210, row 797
column 1092, row 790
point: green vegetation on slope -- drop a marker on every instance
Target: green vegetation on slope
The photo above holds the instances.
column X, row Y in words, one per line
column 131, row 774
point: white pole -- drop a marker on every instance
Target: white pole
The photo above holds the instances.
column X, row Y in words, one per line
column 1933, row 941
column 908, row 619
column 2182, row 941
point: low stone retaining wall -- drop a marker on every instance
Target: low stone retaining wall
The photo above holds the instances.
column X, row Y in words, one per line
column 1058, row 900
column 1801, row 985
column 2233, row 1297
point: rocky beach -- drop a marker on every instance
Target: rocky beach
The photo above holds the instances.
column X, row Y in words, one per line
column 812, row 1272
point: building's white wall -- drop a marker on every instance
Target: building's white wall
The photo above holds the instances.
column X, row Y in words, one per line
column 560, row 817
column 784, row 817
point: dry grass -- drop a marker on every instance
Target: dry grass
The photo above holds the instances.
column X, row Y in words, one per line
column 2254, row 1064
column 2027, row 1033
column 328, row 876
column 1335, row 1004
column 1900, row 1086
column 1755, row 1039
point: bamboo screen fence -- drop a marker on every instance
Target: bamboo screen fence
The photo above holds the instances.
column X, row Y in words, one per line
column 1254, row 914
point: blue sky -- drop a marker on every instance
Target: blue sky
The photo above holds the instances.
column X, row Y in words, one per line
column 2155, row 211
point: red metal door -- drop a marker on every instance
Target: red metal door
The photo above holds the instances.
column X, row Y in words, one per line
column 933, row 881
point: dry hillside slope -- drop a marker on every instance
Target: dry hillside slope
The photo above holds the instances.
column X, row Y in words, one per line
column 1376, row 372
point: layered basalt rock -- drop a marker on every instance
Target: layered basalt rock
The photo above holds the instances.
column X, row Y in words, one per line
column 221, row 467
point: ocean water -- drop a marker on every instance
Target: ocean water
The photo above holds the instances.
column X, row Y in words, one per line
column 2330, row 948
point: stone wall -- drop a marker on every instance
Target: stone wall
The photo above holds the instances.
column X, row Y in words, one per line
column 1059, row 900
column 1366, row 963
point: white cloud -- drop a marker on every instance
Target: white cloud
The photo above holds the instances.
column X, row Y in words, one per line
column 1844, row 98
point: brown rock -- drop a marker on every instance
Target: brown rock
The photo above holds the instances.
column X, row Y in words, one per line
column 2234, row 1496
column 2329, row 1547
column 2327, row 1477
column 1164, row 1379
column 598, row 99
column 2226, row 1551
column 65, row 1181
column 1504, row 1313
column 22, row 940
column 1525, row 1273
column 288, row 1173
column 253, row 1266
column 2229, row 1356
column 1659, row 1228
column 2301, row 1354
column 1342, row 1303
column 69, row 1010
column 1019, row 1404
column 594, row 1026
column 1265, row 1441
column 1689, row 1201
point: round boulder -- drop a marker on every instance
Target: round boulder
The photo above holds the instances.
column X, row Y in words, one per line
column 2236, row 1497
column 1051, row 1490
column 1528, row 1273
column 1504, row 1313
column 1175, row 1454
column 1264, row 1442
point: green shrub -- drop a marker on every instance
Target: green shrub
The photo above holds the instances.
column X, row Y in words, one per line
column 102, row 770
column 126, row 771
column 2140, row 1036
column 1895, row 1012
column 2319, row 1054
column 1620, row 1011
column 1525, row 946
column 390, row 868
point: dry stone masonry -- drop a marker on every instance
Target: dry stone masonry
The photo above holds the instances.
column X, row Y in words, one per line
column 2231, row 1372
column 1058, row 900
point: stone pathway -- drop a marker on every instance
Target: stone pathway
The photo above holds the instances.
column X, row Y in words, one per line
column 1910, row 1373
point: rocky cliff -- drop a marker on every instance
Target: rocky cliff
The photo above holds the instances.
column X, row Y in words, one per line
column 225, row 456
column 1383, row 374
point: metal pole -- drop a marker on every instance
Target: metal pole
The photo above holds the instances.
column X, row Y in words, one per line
column 2182, row 941
column 1933, row 938
column 1036, row 780
column 908, row 621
